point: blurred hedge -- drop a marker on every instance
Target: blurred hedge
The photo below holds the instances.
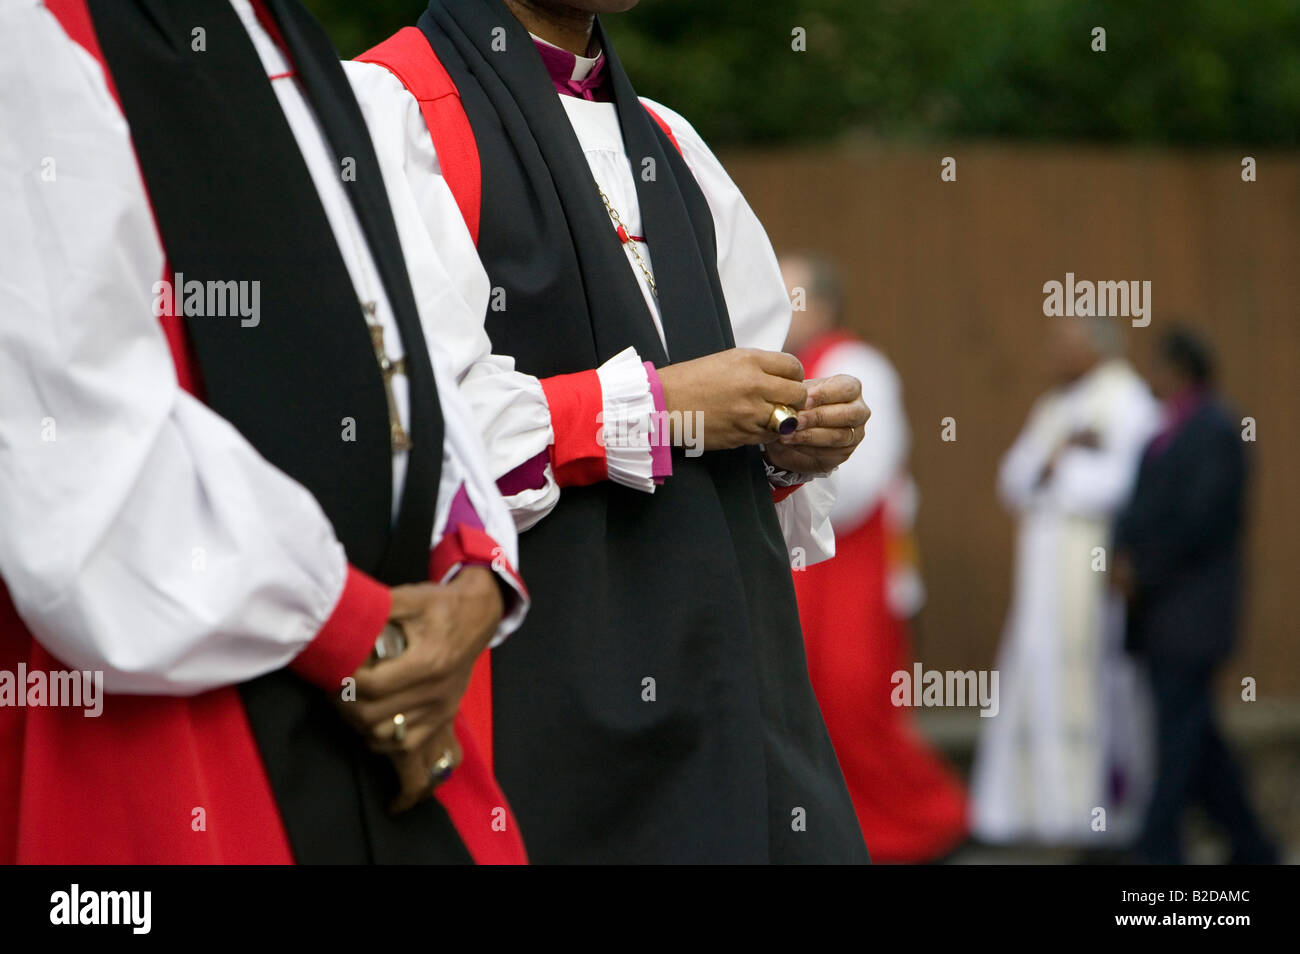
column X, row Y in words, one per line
column 1185, row 72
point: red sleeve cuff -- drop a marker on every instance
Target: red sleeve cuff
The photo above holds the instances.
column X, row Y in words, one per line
column 348, row 636
column 471, row 546
column 576, row 403
column 780, row 493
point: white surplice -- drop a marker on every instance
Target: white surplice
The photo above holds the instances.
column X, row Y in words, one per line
column 142, row 535
column 1068, row 714
column 511, row 406
column 877, row 475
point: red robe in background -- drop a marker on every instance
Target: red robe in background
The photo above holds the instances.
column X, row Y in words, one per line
column 911, row 806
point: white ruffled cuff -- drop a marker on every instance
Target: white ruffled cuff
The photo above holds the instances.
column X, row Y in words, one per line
column 626, row 420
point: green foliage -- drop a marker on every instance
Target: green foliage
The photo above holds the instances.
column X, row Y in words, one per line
column 357, row 25
column 1184, row 72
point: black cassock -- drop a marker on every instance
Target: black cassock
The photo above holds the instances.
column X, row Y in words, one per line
column 689, row 587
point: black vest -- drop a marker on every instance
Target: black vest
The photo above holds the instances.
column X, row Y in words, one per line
column 234, row 201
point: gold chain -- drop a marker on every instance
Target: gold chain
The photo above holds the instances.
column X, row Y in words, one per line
column 631, row 243
column 398, row 439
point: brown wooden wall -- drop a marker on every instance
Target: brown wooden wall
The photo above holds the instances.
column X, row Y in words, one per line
column 947, row 278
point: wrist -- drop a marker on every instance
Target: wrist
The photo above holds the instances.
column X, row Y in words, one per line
column 782, row 477
column 481, row 597
column 348, row 636
column 669, row 386
column 784, row 470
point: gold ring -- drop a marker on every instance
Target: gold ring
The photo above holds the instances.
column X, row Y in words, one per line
column 399, row 727
column 784, row 419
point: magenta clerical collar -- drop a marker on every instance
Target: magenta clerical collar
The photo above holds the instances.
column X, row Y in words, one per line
column 563, row 66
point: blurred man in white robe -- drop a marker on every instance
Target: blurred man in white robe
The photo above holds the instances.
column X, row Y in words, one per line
column 1061, row 763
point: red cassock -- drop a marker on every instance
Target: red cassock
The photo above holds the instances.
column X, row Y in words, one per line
column 177, row 780
column 911, row 807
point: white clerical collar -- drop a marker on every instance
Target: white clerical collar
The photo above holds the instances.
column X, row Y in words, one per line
column 582, row 65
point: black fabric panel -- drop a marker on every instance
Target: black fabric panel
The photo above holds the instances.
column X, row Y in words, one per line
column 235, row 201
column 338, row 112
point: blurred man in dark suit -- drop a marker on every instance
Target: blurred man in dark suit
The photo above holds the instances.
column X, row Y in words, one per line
column 1178, row 561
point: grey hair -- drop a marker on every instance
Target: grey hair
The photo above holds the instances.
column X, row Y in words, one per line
column 1106, row 335
column 824, row 278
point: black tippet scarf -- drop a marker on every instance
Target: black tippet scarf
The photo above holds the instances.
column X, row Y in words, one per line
column 554, row 241
column 655, row 707
column 234, row 201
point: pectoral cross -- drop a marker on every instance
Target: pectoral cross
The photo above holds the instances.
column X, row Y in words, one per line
column 387, row 367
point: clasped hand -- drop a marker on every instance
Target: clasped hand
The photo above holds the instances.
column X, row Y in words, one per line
column 446, row 626
column 734, row 391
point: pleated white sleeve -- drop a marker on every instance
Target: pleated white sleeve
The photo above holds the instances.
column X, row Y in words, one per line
column 465, row 471
column 510, row 407
column 142, row 535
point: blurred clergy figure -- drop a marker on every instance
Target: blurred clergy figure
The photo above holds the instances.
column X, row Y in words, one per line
column 1067, row 740
column 855, row 607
